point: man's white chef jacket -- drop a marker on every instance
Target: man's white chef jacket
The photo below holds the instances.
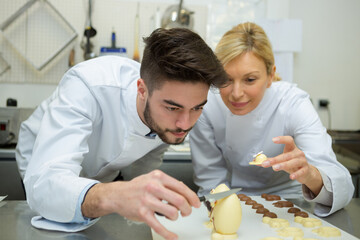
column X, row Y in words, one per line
column 223, row 144
column 85, row 132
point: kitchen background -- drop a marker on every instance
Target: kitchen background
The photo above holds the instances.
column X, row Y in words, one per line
column 317, row 43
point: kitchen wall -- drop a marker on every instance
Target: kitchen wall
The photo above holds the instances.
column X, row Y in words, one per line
column 327, row 66
column 29, row 85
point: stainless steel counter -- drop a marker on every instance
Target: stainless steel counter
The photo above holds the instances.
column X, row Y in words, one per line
column 7, row 153
column 15, row 224
column 168, row 155
column 176, row 164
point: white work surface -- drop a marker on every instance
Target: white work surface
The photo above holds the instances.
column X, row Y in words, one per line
column 251, row 228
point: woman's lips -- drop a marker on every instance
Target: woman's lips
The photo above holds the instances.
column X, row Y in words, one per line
column 239, row 104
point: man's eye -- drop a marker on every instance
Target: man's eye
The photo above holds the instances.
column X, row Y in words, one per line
column 171, row 109
column 199, row 108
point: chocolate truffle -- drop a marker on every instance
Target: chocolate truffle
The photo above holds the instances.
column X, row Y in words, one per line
column 245, row 198
column 262, row 210
column 281, row 204
column 301, row 214
column 240, row 195
column 250, row 202
column 293, row 210
column 257, row 205
column 272, row 197
column 270, row 215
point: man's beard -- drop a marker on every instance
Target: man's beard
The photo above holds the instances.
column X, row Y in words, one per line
column 161, row 132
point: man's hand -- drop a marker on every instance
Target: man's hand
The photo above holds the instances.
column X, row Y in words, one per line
column 293, row 161
column 140, row 198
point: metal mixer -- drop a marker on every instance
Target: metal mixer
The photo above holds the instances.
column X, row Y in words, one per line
column 177, row 16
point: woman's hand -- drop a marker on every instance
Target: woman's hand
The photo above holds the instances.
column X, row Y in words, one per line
column 140, row 198
column 293, row 161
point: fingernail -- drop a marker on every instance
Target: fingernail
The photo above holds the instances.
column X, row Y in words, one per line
column 266, row 164
column 276, row 139
column 276, row 167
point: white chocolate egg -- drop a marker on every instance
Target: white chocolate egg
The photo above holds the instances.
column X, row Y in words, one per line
column 259, row 159
column 226, row 214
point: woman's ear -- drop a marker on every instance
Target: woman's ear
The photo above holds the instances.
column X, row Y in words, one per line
column 272, row 76
column 142, row 89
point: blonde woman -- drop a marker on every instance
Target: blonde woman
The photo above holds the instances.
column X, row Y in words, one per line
column 256, row 112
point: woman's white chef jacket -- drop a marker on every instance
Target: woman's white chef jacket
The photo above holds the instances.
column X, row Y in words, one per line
column 85, row 132
column 223, row 144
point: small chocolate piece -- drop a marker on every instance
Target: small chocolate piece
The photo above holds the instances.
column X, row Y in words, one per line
column 264, row 195
column 257, row 205
column 293, row 210
column 240, row 195
column 272, row 197
column 208, row 205
column 301, row 214
column 245, row 198
column 281, row 204
column 262, row 210
column 270, row 215
column 250, row 202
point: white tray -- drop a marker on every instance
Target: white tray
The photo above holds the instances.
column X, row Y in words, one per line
column 251, row 228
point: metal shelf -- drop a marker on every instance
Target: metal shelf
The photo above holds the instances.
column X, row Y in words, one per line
column 38, row 32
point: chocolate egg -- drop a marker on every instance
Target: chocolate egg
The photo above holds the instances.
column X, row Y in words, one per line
column 258, row 159
column 226, row 214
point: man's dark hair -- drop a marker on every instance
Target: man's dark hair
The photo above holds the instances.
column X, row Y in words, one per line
column 181, row 55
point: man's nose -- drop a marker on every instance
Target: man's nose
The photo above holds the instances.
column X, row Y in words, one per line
column 183, row 122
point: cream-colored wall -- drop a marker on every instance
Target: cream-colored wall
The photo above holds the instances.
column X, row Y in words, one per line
column 327, row 67
column 107, row 15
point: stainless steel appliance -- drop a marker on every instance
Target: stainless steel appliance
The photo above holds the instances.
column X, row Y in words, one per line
column 10, row 120
column 177, row 16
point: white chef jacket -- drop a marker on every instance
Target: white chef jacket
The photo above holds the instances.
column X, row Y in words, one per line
column 86, row 132
column 223, row 144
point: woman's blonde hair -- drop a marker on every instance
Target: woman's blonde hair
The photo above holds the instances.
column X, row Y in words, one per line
column 246, row 37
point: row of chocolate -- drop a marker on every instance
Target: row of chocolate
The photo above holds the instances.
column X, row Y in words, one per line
column 260, row 209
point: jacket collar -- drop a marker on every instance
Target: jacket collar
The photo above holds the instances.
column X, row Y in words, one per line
column 136, row 125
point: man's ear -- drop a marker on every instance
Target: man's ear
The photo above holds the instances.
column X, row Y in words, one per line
column 142, row 89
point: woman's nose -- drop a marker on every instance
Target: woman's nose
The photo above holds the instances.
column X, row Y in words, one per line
column 237, row 90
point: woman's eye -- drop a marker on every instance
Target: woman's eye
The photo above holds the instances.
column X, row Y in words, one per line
column 251, row 79
column 228, row 82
